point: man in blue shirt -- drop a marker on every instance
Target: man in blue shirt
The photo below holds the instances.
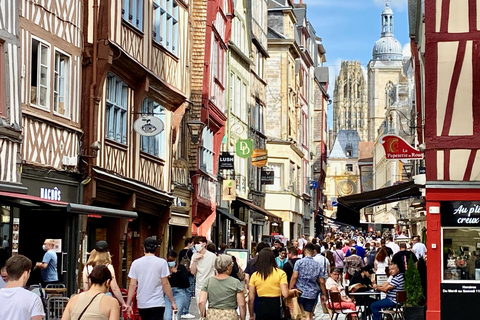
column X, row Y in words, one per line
column 390, row 288
column 360, row 250
column 49, row 263
column 309, row 277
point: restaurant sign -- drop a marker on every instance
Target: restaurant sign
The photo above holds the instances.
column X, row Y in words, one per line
column 396, row 148
column 460, row 213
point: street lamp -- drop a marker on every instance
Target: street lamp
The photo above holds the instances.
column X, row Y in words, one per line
column 195, row 128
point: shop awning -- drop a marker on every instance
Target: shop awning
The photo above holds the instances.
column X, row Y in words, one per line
column 231, row 216
column 348, row 210
column 253, row 206
column 36, row 203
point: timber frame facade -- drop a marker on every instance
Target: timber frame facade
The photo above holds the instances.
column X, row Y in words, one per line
column 136, row 62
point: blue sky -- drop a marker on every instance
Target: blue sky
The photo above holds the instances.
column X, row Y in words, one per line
column 349, row 29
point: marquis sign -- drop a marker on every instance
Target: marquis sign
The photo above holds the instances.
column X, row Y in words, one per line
column 148, row 126
column 396, row 148
column 244, row 148
column 460, row 213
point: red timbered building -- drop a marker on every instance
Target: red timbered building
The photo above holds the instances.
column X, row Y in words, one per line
column 446, row 54
column 211, row 33
column 136, row 64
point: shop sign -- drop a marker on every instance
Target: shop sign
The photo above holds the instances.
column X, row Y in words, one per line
column 268, row 177
column 259, row 157
column 148, row 126
column 458, row 300
column 15, row 235
column 226, row 161
column 229, row 190
column 460, row 213
column 397, row 148
column 244, row 148
column 51, row 194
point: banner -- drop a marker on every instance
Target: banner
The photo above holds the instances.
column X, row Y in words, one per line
column 226, row 161
column 244, row 148
column 229, row 190
column 396, row 148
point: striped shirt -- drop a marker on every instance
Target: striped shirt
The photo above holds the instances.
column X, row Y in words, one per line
column 397, row 283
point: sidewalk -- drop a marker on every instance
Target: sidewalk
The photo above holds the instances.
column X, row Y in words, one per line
column 319, row 315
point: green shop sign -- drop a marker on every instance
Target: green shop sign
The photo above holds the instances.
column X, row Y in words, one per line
column 244, row 148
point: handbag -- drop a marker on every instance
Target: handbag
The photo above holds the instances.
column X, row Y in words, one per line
column 284, row 310
column 88, row 305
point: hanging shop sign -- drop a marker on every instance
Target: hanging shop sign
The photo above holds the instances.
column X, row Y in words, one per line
column 244, row 148
column 259, row 157
column 397, row 148
column 226, row 161
column 268, row 177
column 460, row 213
column 229, row 190
column 148, row 126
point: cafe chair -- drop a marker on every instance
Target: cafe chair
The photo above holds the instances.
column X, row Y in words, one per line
column 55, row 307
column 55, row 290
column 396, row 313
column 335, row 297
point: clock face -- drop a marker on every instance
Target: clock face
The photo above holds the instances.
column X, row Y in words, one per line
column 346, row 187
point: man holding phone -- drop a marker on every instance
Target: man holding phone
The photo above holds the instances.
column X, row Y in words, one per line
column 309, row 277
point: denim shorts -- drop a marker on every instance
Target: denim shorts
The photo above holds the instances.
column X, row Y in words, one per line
column 307, row 304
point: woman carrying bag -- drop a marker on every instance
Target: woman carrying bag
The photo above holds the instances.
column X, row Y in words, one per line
column 223, row 293
column 94, row 304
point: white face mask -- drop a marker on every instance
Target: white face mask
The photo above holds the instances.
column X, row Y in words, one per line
column 44, row 247
column 198, row 247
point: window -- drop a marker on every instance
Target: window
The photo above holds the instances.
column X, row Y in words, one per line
column 2, row 82
column 217, row 59
column 154, row 145
column 165, row 24
column 61, row 79
column 39, row 77
column 349, row 167
column 257, row 117
column 132, row 13
column 116, row 109
column 461, row 249
column 206, row 151
column 278, row 177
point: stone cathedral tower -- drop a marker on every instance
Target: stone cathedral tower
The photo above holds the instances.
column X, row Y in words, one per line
column 384, row 70
column 350, row 100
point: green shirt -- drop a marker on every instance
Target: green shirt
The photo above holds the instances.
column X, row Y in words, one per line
column 222, row 294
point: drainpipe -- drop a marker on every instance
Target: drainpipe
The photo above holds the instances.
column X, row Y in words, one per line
column 93, row 85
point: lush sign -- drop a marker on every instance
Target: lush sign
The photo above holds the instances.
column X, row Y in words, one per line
column 226, row 161
column 460, row 213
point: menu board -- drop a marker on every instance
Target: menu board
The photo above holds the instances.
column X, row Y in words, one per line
column 241, row 255
column 15, row 235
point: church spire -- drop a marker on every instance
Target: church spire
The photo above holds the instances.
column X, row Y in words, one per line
column 387, row 21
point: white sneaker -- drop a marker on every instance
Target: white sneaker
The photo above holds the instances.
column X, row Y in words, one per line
column 187, row 316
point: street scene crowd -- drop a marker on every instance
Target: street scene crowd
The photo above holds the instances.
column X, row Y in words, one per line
column 355, row 273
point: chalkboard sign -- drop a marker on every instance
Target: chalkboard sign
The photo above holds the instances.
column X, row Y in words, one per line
column 458, row 300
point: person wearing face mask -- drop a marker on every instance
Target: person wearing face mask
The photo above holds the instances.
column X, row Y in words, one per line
column 15, row 301
column 49, row 263
column 202, row 265
column 149, row 278
column 179, row 282
column 94, row 304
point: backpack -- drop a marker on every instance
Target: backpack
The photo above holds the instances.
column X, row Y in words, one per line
column 186, row 262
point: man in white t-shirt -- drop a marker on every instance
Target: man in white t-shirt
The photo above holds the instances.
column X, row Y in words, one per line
column 302, row 242
column 202, row 265
column 392, row 245
column 149, row 276
column 419, row 248
column 15, row 301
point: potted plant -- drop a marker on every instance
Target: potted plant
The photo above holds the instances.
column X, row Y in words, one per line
column 414, row 307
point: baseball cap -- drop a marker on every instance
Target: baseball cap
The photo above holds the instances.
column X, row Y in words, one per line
column 101, row 246
column 150, row 243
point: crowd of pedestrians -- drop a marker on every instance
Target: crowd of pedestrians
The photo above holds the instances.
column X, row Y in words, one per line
column 278, row 278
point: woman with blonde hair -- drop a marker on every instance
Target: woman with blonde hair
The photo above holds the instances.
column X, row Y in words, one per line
column 101, row 256
column 223, row 293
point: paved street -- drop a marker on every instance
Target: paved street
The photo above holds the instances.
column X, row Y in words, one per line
column 319, row 315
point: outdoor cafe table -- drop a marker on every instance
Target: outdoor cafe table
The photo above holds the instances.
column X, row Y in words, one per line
column 365, row 294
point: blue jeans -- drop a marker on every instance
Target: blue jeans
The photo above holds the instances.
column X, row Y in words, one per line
column 180, row 296
column 379, row 305
column 190, row 292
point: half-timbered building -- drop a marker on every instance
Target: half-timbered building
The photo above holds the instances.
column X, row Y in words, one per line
column 136, row 66
column 445, row 50
column 210, row 35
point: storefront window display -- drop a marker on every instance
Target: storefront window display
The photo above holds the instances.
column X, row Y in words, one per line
column 5, row 240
